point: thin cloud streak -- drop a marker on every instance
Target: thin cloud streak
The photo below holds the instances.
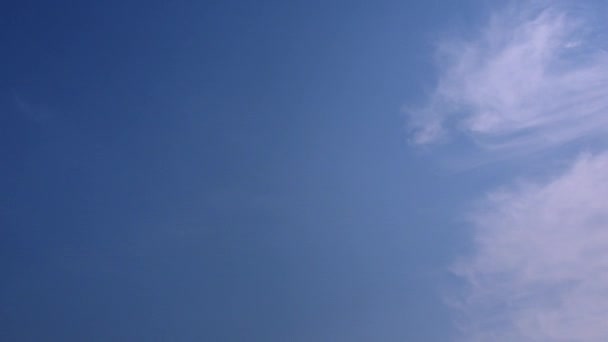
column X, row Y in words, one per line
column 34, row 113
column 530, row 81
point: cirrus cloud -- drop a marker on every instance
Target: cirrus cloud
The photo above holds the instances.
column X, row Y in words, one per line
column 535, row 78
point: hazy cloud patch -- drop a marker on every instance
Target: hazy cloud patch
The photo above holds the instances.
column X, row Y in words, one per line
column 539, row 271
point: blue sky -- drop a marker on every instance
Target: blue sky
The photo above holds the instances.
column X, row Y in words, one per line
column 298, row 171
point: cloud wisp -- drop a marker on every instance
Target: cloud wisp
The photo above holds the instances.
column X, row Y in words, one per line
column 531, row 80
column 34, row 113
column 534, row 79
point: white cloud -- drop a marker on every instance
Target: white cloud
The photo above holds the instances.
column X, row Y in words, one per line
column 540, row 267
column 532, row 79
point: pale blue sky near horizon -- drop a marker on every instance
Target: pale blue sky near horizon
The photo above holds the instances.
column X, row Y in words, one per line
column 225, row 171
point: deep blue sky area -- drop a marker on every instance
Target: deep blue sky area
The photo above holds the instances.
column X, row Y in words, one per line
column 221, row 171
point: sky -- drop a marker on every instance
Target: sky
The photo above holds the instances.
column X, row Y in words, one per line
column 303, row 171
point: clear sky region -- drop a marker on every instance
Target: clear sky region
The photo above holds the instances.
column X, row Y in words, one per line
column 303, row 171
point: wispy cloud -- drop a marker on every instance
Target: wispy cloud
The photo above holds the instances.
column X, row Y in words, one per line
column 32, row 112
column 540, row 267
column 535, row 78
column 532, row 79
